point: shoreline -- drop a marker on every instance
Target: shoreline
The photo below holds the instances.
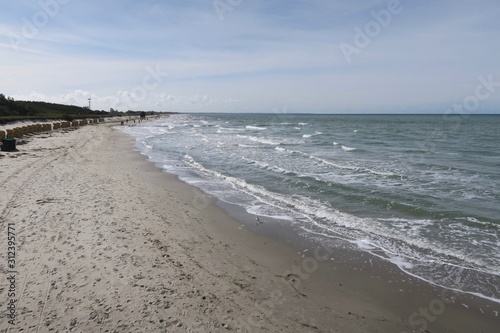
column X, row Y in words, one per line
column 331, row 271
column 413, row 294
column 434, row 294
column 132, row 248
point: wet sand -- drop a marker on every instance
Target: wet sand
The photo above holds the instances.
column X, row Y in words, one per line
column 107, row 242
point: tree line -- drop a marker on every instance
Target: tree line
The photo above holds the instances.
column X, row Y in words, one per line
column 11, row 110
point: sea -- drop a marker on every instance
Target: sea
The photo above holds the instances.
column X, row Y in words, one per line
column 420, row 191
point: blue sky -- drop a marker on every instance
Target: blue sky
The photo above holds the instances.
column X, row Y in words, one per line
column 253, row 55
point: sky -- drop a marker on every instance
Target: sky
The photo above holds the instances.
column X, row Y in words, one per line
column 314, row 56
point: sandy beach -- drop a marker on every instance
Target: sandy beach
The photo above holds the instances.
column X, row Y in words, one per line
column 106, row 242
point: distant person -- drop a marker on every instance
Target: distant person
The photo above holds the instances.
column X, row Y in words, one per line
column 143, row 115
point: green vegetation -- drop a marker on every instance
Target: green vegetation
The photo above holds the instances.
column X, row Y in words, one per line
column 11, row 110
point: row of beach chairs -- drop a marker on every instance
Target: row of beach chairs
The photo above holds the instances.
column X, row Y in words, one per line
column 19, row 132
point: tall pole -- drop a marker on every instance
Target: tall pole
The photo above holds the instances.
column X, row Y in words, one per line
column 90, row 98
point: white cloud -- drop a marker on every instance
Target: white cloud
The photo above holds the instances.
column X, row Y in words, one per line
column 263, row 55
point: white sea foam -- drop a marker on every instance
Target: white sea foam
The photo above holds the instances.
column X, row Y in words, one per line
column 345, row 148
column 260, row 140
column 247, row 146
column 229, row 130
column 324, row 161
column 266, row 166
column 489, row 224
column 158, row 130
column 256, row 128
column 311, row 135
column 401, row 262
column 364, row 244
